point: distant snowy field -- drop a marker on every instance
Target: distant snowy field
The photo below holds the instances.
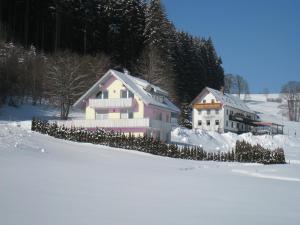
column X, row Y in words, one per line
column 48, row 181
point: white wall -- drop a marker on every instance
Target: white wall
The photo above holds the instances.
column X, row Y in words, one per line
column 212, row 116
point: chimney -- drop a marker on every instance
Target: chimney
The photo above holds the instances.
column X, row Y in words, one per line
column 222, row 90
column 126, row 72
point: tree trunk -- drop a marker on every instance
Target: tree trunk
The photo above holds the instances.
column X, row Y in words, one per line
column 84, row 39
column 26, row 22
column 57, row 29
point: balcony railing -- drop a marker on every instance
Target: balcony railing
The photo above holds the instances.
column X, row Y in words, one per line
column 111, row 103
column 107, row 123
column 207, row 106
column 116, row 123
column 242, row 119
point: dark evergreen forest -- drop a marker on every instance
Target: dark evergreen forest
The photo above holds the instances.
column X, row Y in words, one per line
column 133, row 34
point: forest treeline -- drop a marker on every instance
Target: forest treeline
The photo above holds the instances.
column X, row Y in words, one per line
column 100, row 34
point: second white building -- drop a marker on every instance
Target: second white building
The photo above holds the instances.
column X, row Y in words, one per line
column 215, row 110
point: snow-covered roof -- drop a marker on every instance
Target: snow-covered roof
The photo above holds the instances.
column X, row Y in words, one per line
column 226, row 99
column 138, row 86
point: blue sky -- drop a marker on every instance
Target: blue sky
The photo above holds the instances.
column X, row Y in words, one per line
column 258, row 39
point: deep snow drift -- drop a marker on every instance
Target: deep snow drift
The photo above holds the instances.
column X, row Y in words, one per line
column 48, row 181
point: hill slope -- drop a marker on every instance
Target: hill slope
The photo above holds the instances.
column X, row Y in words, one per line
column 48, row 181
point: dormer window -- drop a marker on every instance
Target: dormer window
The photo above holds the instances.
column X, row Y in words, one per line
column 158, row 98
column 212, row 101
column 204, row 101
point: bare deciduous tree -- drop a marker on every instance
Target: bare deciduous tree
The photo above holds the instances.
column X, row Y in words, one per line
column 154, row 69
column 236, row 84
column 241, row 85
column 266, row 93
column 150, row 66
column 229, row 83
column 291, row 92
column 66, row 80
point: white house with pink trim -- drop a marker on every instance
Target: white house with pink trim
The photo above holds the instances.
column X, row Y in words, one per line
column 123, row 103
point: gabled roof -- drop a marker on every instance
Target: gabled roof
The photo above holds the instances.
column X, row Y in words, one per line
column 136, row 85
column 225, row 99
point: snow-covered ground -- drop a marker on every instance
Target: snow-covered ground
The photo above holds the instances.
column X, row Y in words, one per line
column 48, row 181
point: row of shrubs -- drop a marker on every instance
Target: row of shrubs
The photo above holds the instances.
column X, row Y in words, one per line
column 245, row 152
column 155, row 146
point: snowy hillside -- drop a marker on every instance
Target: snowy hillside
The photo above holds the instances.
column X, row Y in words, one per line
column 48, row 181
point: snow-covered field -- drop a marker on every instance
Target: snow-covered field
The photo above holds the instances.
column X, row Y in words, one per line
column 49, row 181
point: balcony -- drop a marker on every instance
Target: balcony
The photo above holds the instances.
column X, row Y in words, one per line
column 111, row 103
column 107, row 123
column 207, row 106
column 116, row 123
column 241, row 118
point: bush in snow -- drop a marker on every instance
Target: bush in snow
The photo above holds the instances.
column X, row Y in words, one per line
column 245, row 152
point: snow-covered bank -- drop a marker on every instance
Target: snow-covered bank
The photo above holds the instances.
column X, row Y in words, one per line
column 214, row 141
column 50, row 181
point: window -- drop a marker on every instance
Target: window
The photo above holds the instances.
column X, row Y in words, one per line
column 212, row 101
column 158, row 116
column 126, row 114
column 99, row 95
column 101, row 114
column 217, row 122
column 126, row 94
column 237, row 125
column 226, row 111
column 217, row 111
column 158, row 98
column 105, row 94
column 204, row 101
column 123, row 93
column 130, row 115
column 231, row 124
column 130, row 94
column 167, row 118
column 199, row 112
column 208, row 122
column 208, row 112
column 226, row 123
column 231, row 112
column 199, row 122
column 102, row 95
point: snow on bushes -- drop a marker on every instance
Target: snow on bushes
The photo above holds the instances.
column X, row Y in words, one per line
column 245, row 152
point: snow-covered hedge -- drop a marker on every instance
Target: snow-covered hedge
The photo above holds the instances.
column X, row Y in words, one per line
column 153, row 146
column 245, row 152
